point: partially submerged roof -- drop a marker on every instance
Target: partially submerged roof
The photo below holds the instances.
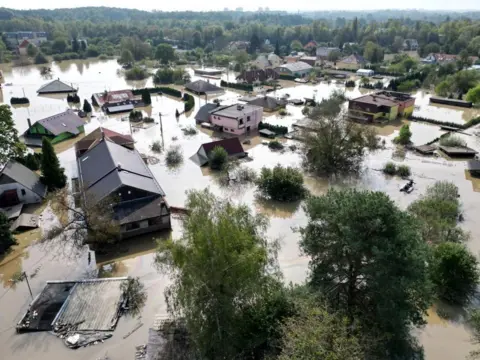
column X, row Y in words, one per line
column 296, row 66
column 383, row 98
column 268, row 102
column 12, row 212
column 203, row 114
column 67, row 121
column 457, row 150
column 235, row 111
column 203, row 87
column 232, row 146
column 24, row 176
column 99, row 133
column 473, row 165
column 25, row 221
column 56, row 86
column 140, row 209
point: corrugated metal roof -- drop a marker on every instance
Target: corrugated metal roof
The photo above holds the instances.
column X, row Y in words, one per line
column 24, row 176
column 56, row 86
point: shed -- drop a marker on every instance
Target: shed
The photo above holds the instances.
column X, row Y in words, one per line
column 473, row 167
column 267, row 133
column 457, row 151
column 425, row 149
column 365, row 72
column 232, row 146
column 56, row 87
column 25, row 221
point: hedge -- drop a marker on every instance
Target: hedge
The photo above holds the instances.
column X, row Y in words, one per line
column 159, row 90
column 468, row 124
column 238, row 86
column 19, row 100
column 349, row 83
column 277, row 129
column 189, row 102
column 287, row 77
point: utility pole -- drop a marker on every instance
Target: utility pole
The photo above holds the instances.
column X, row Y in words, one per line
column 23, row 89
column 161, row 130
column 28, row 284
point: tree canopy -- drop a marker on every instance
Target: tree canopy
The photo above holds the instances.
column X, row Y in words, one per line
column 10, row 145
column 164, row 53
column 6, row 238
column 53, row 175
column 281, row 183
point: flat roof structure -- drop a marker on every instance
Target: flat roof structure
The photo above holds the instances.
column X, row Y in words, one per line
column 383, row 98
column 457, row 151
column 235, row 111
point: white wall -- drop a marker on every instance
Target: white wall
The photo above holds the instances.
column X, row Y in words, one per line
column 232, row 126
column 29, row 198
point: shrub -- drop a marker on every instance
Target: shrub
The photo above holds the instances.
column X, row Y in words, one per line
column 238, row 86
column 174, row 156
column 146, row 98
column 189, row 102
column 245, row 174
column 156, row 146
column 403, row 170
column 40, row 59
column 86, row 106
column 191, row 130
column 136, row 73
column 148, row 120
column 73, row 98
column 349, row 83
column 19, row 100
column 135, row 116
column 283, row 112
column 390, row 168
column 103, row 57
column 218, row 158
column 453, row 141
column 404, row 135
column 281, row 183
column 275, row 145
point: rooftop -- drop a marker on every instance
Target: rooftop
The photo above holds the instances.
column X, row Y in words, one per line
column 67, row 121
column 353, row 59
column 383, row 98
column 232, row 146
column 203, row 87
column 96, row 135
column 296, row 66
column 267, row 102
column 56, row 86
column 203, row 114
column 235, row 111
column 23, row 175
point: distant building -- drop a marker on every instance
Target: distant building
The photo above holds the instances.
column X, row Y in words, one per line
column 56, row 87
column 202, row 87
column 238, row 119
column 56, row 128
column 19, row 184
column 353, row 62
column 15, row 38
column 410, row 45
column 381, row 105
column 298, row 69
column 261, row 75
column 441, row 58
column 232, row 146
column 267, row 61
column 117, row 101
column 268, row 103
column 323, row 52
column 310, row 60
column 23, row 47
column 365, row 72
column 310, row 45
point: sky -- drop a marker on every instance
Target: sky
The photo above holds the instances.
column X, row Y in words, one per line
column 293, row 6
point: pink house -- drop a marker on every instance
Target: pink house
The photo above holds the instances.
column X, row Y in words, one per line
column 237, row 119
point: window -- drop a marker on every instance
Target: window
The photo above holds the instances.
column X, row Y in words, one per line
column 240, row 121
column 248, row 118
column 23, row 192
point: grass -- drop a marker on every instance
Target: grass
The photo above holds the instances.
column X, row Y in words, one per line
column 174, row 156
column 453, row 141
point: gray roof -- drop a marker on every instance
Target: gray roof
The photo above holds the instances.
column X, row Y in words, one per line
column 67, row 121
column 203, row 114
column 235, row 111
column 56, row 86
column 140, row 209
column 107, row 166
column 24, row 176
column 324, row 51
column 203, row 87
column 267, row 102
column 297, row 66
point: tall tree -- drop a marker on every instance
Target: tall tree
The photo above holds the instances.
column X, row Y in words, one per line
column 277, row 48
column 75, row 45
column 164, row 53
column 53, row 175
column 225, row 283
column 146, row 98
column 32, row 50
column 126, row 57
column 86, row 106
column 358, row 241
column 373, row 52
column 6, row 237
column 10, row 145
column 254, row 43
column 355, row 29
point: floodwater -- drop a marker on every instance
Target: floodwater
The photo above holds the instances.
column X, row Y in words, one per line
column 442, row 340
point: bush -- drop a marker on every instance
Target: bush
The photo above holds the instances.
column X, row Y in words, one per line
column 238, row 86
column 277, row 129
column 136, row 73
column 404, row 136
column 159, row 90
column 40, row 59
column 148, row 120
column 86, row 106
column 453, row 141
column 189, row 102
column 73, row 98
column 103, row 57
column 218, row 158
column 281, row 183
column 146, row 98
column 174, row 156
column 390, row 168
column 19, row 100
column 156, row 146
column 454, row 273
column 403, row 170
column 31, row 161
column 191, row 130
column 282, row 112
column 275, row 145
column 135, row 116
column 245, row 174
column 349, row 83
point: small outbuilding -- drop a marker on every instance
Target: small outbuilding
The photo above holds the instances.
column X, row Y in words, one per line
column 458, row 151
column 203, row 114
column 473, row 167
column 232, row 146
column 56, row 87
column 267, row 133
column 268, row 103
column 365, row 72
column 202, row 87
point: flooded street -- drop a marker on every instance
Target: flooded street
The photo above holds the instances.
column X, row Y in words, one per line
column 442, row 339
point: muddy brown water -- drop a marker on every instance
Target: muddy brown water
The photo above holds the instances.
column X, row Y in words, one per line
column 442, row 339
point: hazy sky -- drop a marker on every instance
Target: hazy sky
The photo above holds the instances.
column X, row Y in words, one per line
column 253, row 4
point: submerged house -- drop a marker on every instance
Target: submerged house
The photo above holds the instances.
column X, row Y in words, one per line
column 19, row 184
column 109, row 170
column 117, row 101
column 99, row 134
column 353, row 62
column 238, row 119
column 232, row 146
column 260, row 75
column 383, row 104
column 57, row 128
column 268, row 103
column 202, row 87
column 56, row 87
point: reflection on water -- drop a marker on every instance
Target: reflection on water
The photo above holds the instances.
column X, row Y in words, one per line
column 276, row 209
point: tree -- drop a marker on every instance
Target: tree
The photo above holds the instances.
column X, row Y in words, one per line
column 6, row 237
column 164, row 53
column 355, row 29
column 87, row 107
column 373, row 52
column 52, row 174
column 357, row 242
column 40, row 59
column 10, row 145
column 146, row 98
column 197, row 39
column 241, row 58
column 397, row 44
column 277, row 48
column 225, row 284
column 75, row 45
column 333, row 146
column 218, row 158
column 254, row 43
column 83, row 45
column 464, row 80
column 296, row 45
column 163, row 76
column 59, row 45
column 473, row 95
column 454, row 273
column 443, row 89
column 126, row 57
column 138, row 48
column 281, row 183
column 316, row 333
column 31, row 50
column 334, row 55
column 404, row 135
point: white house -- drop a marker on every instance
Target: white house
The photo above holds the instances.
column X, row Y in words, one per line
column 237, row 119
column 365, row 72
column 267, row 61
column 19, row 184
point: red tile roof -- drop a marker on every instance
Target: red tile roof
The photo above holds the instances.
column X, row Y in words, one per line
column 24, row 43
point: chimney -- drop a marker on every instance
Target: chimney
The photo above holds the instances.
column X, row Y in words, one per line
column 119, row 167
column 29, row 123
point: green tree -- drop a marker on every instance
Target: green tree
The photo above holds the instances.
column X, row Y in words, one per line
column 6, row 237
column 59, row 45
column 31, row 50
column 277, row 48
column 218, row 158
column 138, row 48
column 225, row 280
column 241, row 58
column 473, row 95
column 10, row 145
column 83, row 45
column 164, row 53
column 355, row 29
column 86, row 106
column 75, row 45
column 373, row 52
column 296, row 45
column 254, row 43
column 53, row 175
column 197, row 39
column 357, row 242
column 334, row 55
column 454, row 273
column 465, row 80
column 281, row 183
column 126, row 57
column 40, row 59
column 333, row 146
column 163, row 76
column 443, row 89
column 146, row 98
column 404, row 135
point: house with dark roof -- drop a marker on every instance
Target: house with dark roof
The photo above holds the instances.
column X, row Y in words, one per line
column 257, row 75
column 56, row 87
column 117, row 101
column 297, row 69
column 98, row 135
column 114, row 173
column 268, row 103
column 381, row 105
column 19, row 184
column 353, row 62
column 232, row 146
column 202, row 87
column 57, row 128
column 203, row 114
